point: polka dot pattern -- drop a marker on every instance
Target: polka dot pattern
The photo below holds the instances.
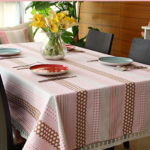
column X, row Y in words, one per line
column 81, row 118
column 129, row 108
column 48, row 134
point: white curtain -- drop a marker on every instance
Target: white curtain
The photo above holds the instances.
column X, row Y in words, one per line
column 10, row 13
column 40, row 36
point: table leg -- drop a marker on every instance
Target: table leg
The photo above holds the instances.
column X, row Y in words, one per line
column 111, row 148
column 126, row 144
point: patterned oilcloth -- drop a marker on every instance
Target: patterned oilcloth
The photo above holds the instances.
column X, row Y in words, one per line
column 100, row 105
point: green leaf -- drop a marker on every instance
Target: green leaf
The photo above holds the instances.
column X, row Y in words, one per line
column 30, row 5
column 35, row 31
column 33, row 11
column 67, row 40
column 91, row 28
column 43, row 5
column 71, row 12
column 80, row 43
column 75, row 30
column 67, row 33
column 67, row 37
column 40, row 5
column 45, row 12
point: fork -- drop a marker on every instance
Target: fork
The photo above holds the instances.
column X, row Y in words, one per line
column 57, row 78
column 10, row 57
column 19, row 67
column 93, row 60
column 129, row 67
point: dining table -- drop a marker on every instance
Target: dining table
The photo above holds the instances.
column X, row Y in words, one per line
column 99, row 107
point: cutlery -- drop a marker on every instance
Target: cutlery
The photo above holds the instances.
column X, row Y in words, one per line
column 129, row 67
column 20, row 66
column 25, row 66
column 74, row 50
column 57, row 78
column 93, row 60
column 11, row 57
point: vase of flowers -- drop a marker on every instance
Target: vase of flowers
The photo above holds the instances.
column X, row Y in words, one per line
column 54, row 48
column 53, row 25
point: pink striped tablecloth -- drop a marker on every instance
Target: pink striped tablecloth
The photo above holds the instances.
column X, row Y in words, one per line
column 99, row 108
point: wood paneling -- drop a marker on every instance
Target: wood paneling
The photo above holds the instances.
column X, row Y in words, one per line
column 139, row 144
column 123, row 19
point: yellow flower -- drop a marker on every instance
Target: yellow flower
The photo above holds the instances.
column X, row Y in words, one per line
column 60, row 15
column 56, row 20
column 54, row 28
column 68, row 22
column 65, row 12
column 53, row 23
column 38, row 21
column 52, row 14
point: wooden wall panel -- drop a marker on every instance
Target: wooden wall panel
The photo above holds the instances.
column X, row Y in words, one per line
column 123, row 19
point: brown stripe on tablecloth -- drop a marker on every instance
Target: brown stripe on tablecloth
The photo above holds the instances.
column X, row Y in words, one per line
column 129, row 108
column 27, row 47
column 146, row 69
column 81, row 107
column 17, row 61
column 48, row 134
column 95, row 55
column 34, row 112
column 35, row 50
column 116, row 78
column 69, row 85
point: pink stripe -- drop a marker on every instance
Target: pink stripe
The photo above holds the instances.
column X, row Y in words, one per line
column 26, row 35
column 4, row 37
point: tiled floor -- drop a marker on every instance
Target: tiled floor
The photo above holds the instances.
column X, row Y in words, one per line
column 140, row 144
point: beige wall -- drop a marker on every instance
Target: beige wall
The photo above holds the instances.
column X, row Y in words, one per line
column 123, row 19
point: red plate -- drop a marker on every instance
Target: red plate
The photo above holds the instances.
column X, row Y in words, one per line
column 49, row 69
column 69, row 47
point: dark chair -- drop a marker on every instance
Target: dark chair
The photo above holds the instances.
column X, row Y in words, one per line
column 99, row 41
column 140, row 50
column 6, row 134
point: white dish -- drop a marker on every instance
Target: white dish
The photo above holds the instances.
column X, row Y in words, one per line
column 9, row 51
column 115, row 61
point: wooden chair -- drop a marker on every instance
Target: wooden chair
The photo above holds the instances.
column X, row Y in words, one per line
column 6, row 134
column 99, row 41
column 140, row 50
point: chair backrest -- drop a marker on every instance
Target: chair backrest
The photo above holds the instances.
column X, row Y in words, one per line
column 99, row 41
column 140, row 51
column 23, row 32
column 6, row 139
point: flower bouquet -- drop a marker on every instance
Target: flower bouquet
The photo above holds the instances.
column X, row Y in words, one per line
column 53, row 25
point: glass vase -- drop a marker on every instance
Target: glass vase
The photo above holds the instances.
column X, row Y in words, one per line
column 54, row 48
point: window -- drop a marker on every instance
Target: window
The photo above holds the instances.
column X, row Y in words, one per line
column 10, row 14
